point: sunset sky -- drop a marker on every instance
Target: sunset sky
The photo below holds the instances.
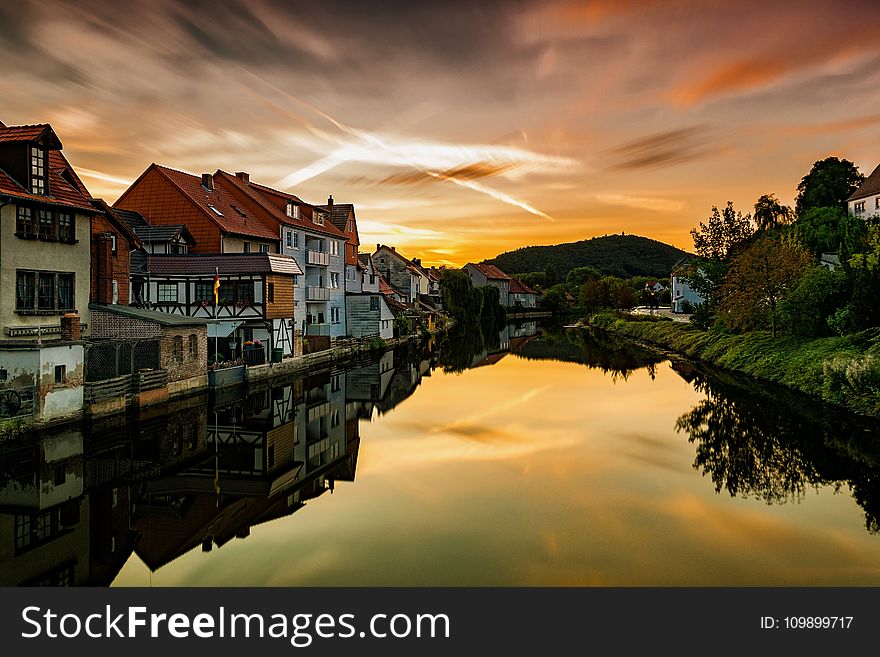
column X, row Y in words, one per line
column 462, row 129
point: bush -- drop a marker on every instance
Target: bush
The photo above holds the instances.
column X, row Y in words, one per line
column 377, row 344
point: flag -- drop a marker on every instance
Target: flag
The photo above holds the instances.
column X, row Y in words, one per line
column 216, row 285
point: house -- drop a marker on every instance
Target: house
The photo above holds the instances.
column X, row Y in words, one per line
column 45, row 214
column 342, row 215
column 368, row 312
column 308, row 236
column 161, row 238
column 655, row 287
column 521, row 295
column 254, row 297
column 482, row 274
column 181, row 350
column 45, row 262
column 399, row 272
column 865, row 201
column 218, row 219
column 683, row 298
column 112, row 241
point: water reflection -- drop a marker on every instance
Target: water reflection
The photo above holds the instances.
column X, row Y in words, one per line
column 775, row 446
column 77, row 505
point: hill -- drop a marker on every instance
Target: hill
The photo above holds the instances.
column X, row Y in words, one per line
column 612, row 255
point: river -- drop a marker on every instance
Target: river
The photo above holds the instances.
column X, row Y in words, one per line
column 537, row 457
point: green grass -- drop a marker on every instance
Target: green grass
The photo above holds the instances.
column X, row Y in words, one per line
column 842, row 370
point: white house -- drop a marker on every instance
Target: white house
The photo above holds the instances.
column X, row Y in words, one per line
column 680, row 291
column 865, row 201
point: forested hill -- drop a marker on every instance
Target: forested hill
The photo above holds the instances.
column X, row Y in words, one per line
column 612, row 255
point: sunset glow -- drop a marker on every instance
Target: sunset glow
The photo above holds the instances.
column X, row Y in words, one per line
column 459, row 130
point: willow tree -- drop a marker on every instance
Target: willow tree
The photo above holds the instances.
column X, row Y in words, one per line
column 769, row 212
column 758, row 279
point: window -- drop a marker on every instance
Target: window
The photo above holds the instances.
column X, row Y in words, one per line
column 226, row 293
column 374, row 303
column 859, row 207
column 292, row 210
column 372, row 279
column 334, row 279
column 270, row 292
column 24, row 222
column 45, row 291
column 168, row 292
column 60, row 373
column 193, row 346
column 177, row 348
column 25, row 290
column 335, row 384
column 215, row 210
column 4, row 374
column 60, row 474
column 334, row 247
column 296, row 240
column 112, row 243
column 38, row 170
column 65, row 291
column 290, row 240
column 245, row 292
column 877, row 203
column 47, row 225
column 334, row 418
column 204, row 292
column 240, row 212
column 67, row 231
column 318, row 218
column 247, row 247
column 334, row 315
column 264, row 248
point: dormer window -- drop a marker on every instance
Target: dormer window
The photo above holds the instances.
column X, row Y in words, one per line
column 292, row 210
column 319, row 218
column 38, row 170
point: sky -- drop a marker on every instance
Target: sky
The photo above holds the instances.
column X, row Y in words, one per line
column 459, row 129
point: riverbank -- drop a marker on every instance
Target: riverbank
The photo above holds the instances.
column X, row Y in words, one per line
column 841, row 370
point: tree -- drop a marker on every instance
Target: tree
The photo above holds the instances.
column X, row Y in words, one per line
column 830, row 230
column 722, row 233
column 758, row 279
column 550, row 276
column 828, row 185
column 869, row 258
column 769, row 212
column 460, row 298
column 819, row 294
column 577, row 276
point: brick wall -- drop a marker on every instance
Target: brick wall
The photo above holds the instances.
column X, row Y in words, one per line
column 110, row 325
column 107, row 267
column 180, row 368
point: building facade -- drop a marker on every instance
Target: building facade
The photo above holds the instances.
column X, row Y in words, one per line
column 865, row 201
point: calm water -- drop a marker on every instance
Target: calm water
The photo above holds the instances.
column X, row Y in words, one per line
column 532, row 458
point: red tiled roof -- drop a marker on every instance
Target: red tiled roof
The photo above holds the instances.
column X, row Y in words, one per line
column 870, row 187
column 490, row 271
column 65, row 187
column 27, row 133
column 225, row 264
column 518, row 287
column 339, row 213
column 260, row 194
column 240, row 221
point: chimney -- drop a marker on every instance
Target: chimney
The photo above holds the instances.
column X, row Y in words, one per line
column 378, row 246
column 208, row 182
column 104, row 269
column 70, row 329
column 330, row 202
column 417, row 262
column 243, row 176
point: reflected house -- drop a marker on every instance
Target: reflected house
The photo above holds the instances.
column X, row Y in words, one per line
column 368, row 385
column 493, row 353
column 407, row 376
column 44, row 516
column 272, row 450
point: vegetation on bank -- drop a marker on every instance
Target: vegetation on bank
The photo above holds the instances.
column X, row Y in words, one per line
column 622, row 256
column 843, row 370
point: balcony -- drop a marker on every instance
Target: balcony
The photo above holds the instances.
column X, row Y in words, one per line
column 317, row 329
column 319, row 258
column 317, row 293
